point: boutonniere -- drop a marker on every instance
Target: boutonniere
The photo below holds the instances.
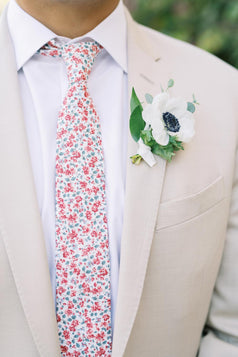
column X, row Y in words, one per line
column 162, row 126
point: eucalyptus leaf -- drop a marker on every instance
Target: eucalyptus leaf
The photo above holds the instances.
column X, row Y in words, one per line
column 149, row 98
column 135, row 102
column 170, row 83
column 195, row 100
column 137, row 124
column 191, row 107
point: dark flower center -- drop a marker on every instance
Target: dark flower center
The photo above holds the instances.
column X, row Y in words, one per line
column 171, row 122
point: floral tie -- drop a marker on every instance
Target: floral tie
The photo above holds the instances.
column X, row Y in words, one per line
column 83, row 295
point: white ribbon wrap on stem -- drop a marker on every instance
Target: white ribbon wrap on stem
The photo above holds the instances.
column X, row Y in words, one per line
column 145, row 152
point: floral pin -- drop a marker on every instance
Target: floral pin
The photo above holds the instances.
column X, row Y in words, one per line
column 162, row 126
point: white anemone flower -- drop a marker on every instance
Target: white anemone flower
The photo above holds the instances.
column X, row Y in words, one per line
column 169, row 117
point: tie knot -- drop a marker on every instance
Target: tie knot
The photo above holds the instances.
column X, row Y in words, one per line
column 78, row 57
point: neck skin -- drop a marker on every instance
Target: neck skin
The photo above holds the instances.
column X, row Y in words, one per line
column 69, row 18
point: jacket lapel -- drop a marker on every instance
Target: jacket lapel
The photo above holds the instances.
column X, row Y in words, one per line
column 20, row 223
column 143, row 192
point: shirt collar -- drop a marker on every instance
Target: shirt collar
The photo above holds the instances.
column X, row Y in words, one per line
column 29, row 35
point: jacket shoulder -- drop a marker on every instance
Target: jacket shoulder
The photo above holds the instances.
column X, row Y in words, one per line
column 190, row 53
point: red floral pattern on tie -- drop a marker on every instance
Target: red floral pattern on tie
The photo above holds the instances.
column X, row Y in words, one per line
column 83, row 297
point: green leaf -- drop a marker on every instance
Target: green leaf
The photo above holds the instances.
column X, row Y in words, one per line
column 136, row 159
column 137, row 124
column 135, row 102
column 177, row 145
column 166, row 152
column 147, row 137
column 195, row 100
column 149, row 98
column 170, row 83
column 191, row 107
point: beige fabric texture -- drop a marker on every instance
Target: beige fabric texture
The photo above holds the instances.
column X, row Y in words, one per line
column 181, row 218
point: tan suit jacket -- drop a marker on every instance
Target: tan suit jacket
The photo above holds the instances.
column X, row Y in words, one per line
column 177, row 218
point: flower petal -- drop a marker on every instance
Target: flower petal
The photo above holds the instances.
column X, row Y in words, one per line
column 148, row 114
column 160, row 101
column 187, row 130
column 177, row 107
column 161, row 136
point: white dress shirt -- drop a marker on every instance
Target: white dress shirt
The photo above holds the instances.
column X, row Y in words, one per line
column 43, row 84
